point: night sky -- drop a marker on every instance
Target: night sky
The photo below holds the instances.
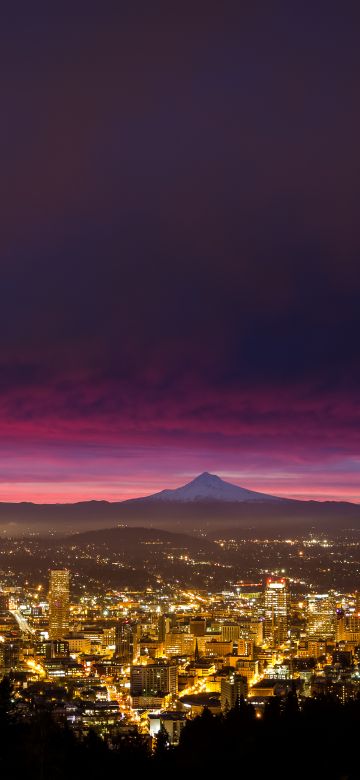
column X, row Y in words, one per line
column 180, row 236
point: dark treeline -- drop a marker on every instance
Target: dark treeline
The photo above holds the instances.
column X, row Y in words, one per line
column 318, row 740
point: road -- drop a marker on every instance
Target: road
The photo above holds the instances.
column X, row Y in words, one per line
column 22, row 622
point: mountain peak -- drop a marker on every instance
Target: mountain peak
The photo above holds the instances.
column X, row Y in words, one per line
column 206, row 478
column 208, row 487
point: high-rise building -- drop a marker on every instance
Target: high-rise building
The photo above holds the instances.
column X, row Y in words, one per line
column 321, row 616
column 9, row 656
column 124, row 641
column 197, row 626
column 178, row 642
column 166, row 622
column 53, row 648
column 59, row 603
column 357, row 602
column 277, row 605
column 232, row 689
column 153, row 680
column 4, row 601
column 230, row 631
column 347, row 627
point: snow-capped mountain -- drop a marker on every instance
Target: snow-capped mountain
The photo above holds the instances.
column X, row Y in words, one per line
column 209, row 487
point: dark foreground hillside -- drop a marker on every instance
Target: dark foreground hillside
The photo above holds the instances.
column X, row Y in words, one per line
column 318, row 740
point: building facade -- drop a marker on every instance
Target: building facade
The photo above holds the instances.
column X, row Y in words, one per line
column 277, row 609
column 59, row 603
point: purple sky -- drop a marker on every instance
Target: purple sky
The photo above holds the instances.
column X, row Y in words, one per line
column 179, row 249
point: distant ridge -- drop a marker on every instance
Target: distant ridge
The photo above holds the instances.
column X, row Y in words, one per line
column 206, row 502
column 209, row 487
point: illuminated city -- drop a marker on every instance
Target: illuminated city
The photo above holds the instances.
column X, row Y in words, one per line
column 144, row 659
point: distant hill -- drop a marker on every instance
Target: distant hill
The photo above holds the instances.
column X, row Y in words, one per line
column 132, row 540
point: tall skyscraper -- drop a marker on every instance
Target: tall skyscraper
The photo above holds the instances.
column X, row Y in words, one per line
column 59, row 601
column 277, row 604
column 124, row 641
column 321, row 616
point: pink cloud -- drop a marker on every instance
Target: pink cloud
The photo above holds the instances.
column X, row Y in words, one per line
column 107, row 441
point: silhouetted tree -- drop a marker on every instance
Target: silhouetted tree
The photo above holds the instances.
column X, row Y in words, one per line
column 5, row 698
column 161, row 745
